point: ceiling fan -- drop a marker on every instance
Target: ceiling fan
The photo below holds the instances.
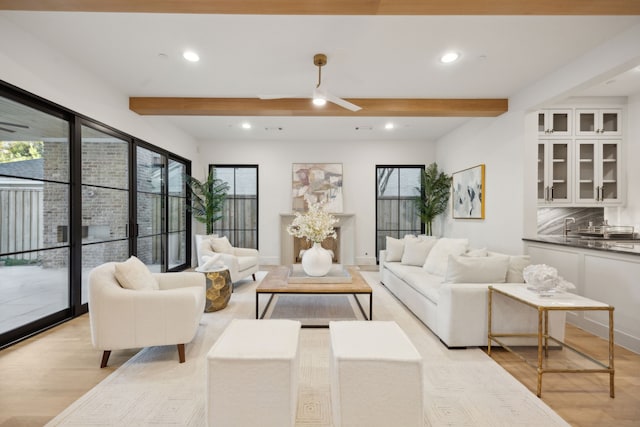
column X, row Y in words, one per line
column 3, row 124
column 321, row 96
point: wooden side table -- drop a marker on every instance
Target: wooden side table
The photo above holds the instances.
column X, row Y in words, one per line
column 561, row 301
column 219, row 288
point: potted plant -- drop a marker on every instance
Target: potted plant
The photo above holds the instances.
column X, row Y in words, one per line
column 434, row 195
column 207, row 199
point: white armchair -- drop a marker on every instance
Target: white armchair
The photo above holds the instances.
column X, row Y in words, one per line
column 128, row 318
column 241, row 262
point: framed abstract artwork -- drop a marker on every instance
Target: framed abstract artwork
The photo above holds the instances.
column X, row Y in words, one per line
column 468, row 193
column 317, row 182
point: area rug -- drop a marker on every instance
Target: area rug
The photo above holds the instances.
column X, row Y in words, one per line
column 314, row 310
column 462, row 387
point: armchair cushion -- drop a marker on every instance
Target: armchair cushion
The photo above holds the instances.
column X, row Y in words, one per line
column 133, row 274
column 221, row 245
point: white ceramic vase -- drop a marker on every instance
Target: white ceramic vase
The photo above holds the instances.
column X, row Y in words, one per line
column 316, row 261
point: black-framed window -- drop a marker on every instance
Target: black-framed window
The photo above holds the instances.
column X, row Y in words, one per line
column 68, row 202
column 240, row 213
column 396, row 189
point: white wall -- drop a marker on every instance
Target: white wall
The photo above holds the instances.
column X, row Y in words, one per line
column 358, row 160
column 498, row 144
column 31, row 65
column 506, row 145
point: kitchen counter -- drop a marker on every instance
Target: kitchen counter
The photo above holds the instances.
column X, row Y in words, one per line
column 619, row 246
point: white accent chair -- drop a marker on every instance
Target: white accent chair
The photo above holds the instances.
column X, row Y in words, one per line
column 241, row 262
column 124, row 318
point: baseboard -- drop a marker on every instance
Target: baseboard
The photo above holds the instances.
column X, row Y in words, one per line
column 365, row 260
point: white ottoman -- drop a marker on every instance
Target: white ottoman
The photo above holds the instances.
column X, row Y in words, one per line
column 252, row 374
column 376, row 375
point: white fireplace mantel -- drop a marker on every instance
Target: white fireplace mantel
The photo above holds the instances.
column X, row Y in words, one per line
column 346, row 222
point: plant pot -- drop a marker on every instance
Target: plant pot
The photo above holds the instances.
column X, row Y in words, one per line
column 316, row 261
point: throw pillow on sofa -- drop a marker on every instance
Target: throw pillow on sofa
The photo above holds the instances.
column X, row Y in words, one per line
column 395, row 249
column 489, row 269
column 416, row 251
column 438, row 258
column 517, row 263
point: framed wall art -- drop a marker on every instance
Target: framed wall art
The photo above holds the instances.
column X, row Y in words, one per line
column 468, row 193
column 317, row 182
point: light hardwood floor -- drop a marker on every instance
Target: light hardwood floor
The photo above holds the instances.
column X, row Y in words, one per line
column 41, row 376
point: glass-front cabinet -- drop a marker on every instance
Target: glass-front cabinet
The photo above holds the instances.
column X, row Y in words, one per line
column 553, row 123
column 554, row 172
column 598, row 172
column 592, row 122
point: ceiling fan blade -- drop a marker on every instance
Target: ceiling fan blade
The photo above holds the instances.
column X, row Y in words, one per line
column 7, row 130
column 341, row 102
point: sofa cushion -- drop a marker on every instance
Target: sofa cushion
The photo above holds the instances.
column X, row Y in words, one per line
column 415, row 277
column 133, row 274
column 416, row 251
column 245, row 262
column 395, row 249
column 517, row 263
column 438, row 257
column 488, row 269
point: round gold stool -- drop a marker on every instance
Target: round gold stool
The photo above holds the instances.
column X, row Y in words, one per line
column 218, row 290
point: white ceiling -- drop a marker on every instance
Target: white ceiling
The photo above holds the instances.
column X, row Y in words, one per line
column 368, row 57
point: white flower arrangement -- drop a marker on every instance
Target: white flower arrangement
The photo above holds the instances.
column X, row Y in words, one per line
column 314, row 225
column 543, row 278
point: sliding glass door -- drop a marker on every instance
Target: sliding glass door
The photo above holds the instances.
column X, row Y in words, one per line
column 105, row 200
column 34, row 218
column 150, row 209
column 75, row 194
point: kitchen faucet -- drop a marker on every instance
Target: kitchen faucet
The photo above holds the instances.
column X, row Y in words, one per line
column 567, row 221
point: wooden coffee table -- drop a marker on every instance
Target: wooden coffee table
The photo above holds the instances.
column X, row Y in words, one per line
column 276, row 282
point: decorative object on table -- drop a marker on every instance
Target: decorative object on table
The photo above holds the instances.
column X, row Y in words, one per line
column 434, row 192
column 469, row 193
column 544, row 280
column 317, row 183
column 315, row 225
column 207, row 198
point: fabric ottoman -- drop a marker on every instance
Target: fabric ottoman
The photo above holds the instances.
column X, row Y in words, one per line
column 252, row 374
column 376, row 375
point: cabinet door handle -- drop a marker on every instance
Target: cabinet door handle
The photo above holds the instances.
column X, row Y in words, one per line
column 551, row 197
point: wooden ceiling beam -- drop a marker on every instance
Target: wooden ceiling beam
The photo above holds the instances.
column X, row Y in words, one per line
column 337, row 7
column 381, row 107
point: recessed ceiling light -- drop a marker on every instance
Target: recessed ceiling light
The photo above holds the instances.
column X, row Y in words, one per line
column 389, row 126
column 246, row 125
column 191, row 56
column 449, row 57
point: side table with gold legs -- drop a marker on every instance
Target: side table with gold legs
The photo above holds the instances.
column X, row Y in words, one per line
column 562, row 301
column 219, row 288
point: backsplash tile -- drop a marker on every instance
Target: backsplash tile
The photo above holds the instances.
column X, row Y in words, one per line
column 551, row 220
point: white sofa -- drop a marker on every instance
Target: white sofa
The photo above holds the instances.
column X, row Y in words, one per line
column 448, row 293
